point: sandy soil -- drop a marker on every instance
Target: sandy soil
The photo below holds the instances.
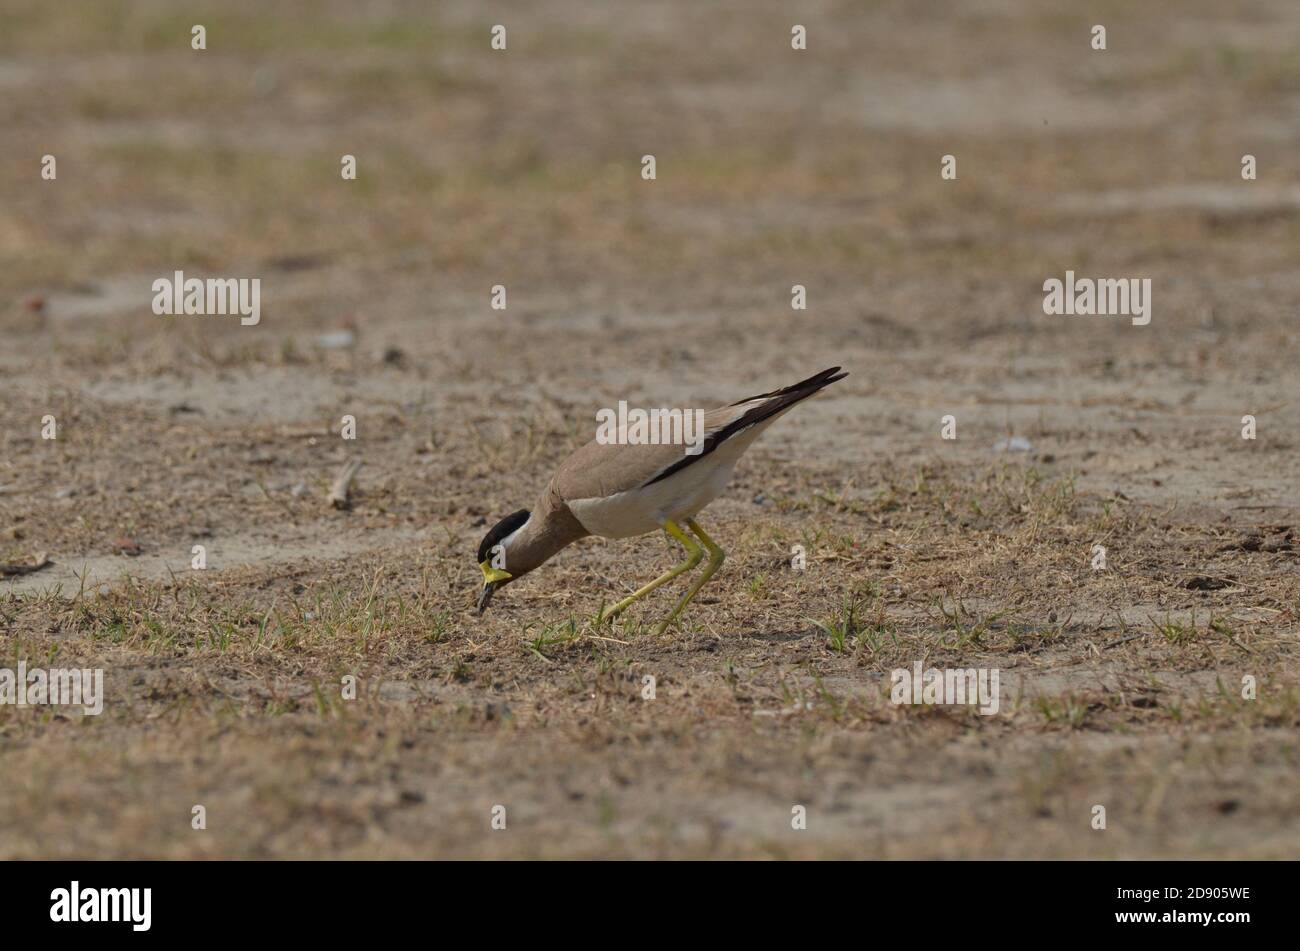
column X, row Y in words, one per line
column 1120, row 687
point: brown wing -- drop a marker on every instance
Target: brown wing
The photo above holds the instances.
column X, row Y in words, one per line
column 755, row 410
column 598, row 470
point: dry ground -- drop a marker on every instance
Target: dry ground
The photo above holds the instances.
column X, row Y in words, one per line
column 1121, row 687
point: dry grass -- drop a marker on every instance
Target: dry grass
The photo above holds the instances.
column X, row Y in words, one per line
column 1121, row 686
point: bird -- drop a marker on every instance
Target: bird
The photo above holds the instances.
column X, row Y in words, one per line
column 618, row 489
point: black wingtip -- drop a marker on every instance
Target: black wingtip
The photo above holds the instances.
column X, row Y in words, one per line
column 815, row 382
column 775, row 402
column 829, row 375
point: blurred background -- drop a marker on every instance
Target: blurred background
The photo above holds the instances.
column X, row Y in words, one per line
column 522, row 168
column 775, row 167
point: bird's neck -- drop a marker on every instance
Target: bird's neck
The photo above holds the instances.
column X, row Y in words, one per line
column 549, row 528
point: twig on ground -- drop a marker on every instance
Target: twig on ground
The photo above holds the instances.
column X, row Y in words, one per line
column 343, row 483
column 11, row 571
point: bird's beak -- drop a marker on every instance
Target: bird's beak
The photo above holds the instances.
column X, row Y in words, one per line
column 485, row 596
column 492, row 579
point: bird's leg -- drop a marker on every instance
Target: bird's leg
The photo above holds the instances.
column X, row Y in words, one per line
column 693, row 555
column 716, row 557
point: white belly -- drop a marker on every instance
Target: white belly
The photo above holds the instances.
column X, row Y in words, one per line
column 680, row 496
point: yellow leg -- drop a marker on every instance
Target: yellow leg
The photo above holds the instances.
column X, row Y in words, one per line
column 693, row 555
column 716, row 557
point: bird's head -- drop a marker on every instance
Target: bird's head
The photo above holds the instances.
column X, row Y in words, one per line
column 494, row 556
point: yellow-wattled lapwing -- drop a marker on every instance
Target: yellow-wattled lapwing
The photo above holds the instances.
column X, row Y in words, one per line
column 617, row 490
